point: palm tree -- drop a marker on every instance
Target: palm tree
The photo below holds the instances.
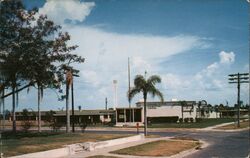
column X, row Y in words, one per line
column 183, row 104
column 141, row 84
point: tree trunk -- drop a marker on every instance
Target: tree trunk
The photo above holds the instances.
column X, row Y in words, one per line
column 38, row 108
column 67, row 108
column 72, row 103
column 13, row 109
column 3, row 102
column 145, row 115
column 182, row 112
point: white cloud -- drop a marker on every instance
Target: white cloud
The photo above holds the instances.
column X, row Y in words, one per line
column 106, row 55
column 90, row 77
column 211, row 77
column 141, row 65
column 226, row 58
column 61, row 10
column 107, row 48
column 172, row 81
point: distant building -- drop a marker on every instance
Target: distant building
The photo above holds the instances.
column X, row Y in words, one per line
column 171, row 110
column 129, row 116
column 81, row 116
column 87, row 116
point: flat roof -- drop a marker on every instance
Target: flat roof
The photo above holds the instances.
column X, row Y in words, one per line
column 129, row 108
column 166, row 103
column 86, row 112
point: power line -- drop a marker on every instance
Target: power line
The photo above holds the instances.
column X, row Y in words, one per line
column 238, row 79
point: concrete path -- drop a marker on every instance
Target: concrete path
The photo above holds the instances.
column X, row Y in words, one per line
column 213, row 128
column 105, row 151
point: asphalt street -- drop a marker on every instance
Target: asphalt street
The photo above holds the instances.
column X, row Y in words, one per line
column 222, row 144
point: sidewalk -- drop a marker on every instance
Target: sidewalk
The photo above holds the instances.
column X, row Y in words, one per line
column 105, row 151
column 213, row 128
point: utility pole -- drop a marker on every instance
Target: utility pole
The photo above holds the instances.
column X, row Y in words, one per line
column 129, row 82
column 129, row 101
column 106, row 103
column 74, row 74
column 238, row 79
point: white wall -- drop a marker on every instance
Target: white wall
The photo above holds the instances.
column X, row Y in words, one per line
column 164, row 111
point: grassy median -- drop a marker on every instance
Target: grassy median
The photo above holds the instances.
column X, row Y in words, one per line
column 159, row 148
column 23, row 143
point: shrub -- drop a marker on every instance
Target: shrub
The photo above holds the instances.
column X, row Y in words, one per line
column 83, row 126
column 186, row 120
column 55, row 126
column 198, row 119
column 191, row 120
column 172, row 119
column 181, row 120
column 26, row 125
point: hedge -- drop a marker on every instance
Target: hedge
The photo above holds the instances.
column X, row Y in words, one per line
column 171, row 119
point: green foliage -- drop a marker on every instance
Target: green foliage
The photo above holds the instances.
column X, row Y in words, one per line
column 170, row 119
column 53, row 123
column 49, row 116
column 33, row 50
column 146, row 86
column 181, row 120
column 198, row 119
column 26, row 124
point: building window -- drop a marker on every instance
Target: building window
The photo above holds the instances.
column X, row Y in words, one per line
column 137, row 115
column 120, row 115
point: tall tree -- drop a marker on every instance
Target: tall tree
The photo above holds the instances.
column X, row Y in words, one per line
column 13, row 36
column 33, row 51
column 146, row 86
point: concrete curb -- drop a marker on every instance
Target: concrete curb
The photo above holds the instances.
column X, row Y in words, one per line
column 91, row 146
column 190, row 151
column 72, row 149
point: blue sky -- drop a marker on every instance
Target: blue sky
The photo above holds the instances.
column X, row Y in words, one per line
column 193, row 45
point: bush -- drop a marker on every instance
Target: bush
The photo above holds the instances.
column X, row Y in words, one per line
column 26, row 125
column 191, row 120
column 83, row 126
column 55, row 126
column 198, row 119
column 181, row 120
column 186, row 120
column 172, row 119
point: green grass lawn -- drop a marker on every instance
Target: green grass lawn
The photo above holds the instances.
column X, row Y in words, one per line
column 204, row 123
column 159, row 148
column 22, row 143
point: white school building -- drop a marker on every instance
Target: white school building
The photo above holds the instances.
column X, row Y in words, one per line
column 158, row 111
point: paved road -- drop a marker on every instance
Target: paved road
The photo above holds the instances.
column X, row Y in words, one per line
column 222, row 144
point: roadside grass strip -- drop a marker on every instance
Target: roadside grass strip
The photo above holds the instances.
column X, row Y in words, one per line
column 202, row 124
column 159, row 148
column 24, row 143
column 243, row 124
